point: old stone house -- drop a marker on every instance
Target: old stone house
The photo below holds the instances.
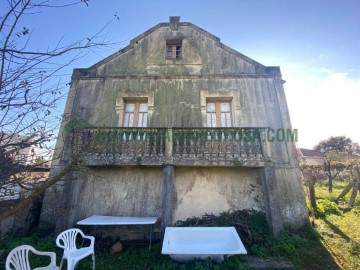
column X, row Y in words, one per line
column 20, row 155
column 171, row 116
column 311, row 157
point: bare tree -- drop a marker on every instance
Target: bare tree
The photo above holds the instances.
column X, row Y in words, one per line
column 356, row 187
column 30, row 89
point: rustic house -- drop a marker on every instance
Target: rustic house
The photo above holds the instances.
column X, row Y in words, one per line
column 19, row 154
column 179, row 125
column 311, row 157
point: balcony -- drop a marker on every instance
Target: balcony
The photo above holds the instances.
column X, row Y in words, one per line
column 177, row 146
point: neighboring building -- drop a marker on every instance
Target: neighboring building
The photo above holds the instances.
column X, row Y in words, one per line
column 169, row 111
column 21, row 155
column 18, row 156
column 311, row 157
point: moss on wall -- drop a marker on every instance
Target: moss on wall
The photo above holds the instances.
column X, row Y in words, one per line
column 119, row 192
column 215, row 190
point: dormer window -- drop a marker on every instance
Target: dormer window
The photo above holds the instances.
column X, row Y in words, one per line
column 173, row 49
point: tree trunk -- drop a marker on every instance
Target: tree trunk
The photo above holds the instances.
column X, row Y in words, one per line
column 312, row 191
column 355, row 187
column 327, row 168
column 345, row 190
column 330, row 184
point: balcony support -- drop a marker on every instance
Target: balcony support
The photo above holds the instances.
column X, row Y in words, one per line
column 271, row 197
column 64, row 207
column 167, row 195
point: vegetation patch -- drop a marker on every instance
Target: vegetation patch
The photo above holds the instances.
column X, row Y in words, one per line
column 330, row 242
column 251, row 226
column 326, row 207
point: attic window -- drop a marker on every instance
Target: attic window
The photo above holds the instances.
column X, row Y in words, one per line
column 173, row 49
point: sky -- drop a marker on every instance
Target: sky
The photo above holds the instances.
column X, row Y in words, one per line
column 316, row 44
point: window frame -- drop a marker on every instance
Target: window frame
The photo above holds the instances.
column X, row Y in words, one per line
column 124, row 96
column 137, row 103
column 218, row 112
column 174, row 47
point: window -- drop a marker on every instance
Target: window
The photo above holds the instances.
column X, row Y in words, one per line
column 218, row 113
column 173, row 49
column 135, row 114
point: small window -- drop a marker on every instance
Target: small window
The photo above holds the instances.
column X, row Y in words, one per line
column 135, row 114
column 173, row 49
column 218, row 113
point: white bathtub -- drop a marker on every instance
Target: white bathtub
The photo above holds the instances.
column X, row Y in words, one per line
column 187, row 243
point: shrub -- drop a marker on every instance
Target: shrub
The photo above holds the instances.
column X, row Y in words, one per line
column 326, row 207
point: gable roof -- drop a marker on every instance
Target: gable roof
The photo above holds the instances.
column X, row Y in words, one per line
column 311, row 153
column 175, row 23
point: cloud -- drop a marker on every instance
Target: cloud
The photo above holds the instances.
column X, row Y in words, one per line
column 322, row 104
column 325, row 70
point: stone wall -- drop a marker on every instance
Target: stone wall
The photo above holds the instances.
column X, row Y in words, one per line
column 131, row 191
column 137, row 191
column 23, row 221
column 214, row 190
column 7, row 224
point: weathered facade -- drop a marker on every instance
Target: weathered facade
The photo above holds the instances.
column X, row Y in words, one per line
column 171, row 118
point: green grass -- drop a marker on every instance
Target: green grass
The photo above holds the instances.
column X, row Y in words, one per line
column 340, row 232
column 332, row 244
column 133, row 257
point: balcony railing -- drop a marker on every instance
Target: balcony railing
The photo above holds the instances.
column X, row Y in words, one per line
column 178, row 146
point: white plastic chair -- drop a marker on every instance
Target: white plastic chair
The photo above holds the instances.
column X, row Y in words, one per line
column 67, row 241
column 18, row 259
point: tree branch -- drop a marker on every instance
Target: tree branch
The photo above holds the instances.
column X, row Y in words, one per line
column 36, row 194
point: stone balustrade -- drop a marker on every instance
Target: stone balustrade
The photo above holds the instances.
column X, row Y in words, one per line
column 178, row 146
